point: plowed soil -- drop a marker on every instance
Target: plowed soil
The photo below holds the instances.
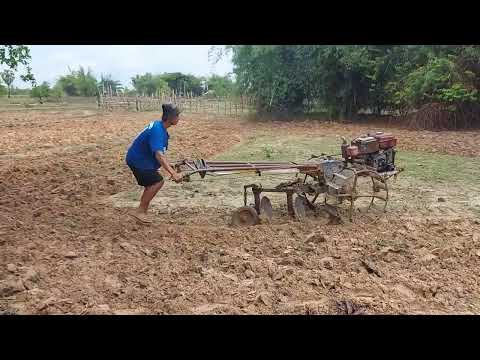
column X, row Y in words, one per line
column 68, row 247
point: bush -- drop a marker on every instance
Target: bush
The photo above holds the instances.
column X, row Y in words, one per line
column 41, row 92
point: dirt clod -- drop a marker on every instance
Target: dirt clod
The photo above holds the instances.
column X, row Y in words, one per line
column 315, row 238
column 71, row 255
column 327, row 262
column 278, row 275
column 265, row 299
column 31, row 275
column 346, row 307
column 428, row 258
column 371, row 268
column 404, row 291
column 11, row 268
column 10, row 287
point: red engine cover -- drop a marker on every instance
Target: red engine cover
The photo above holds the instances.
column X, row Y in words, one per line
column 352, row 151
column 386, row 141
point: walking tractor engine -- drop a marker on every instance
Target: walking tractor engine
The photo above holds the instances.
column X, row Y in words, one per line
column 359, row 179
column 376, row 151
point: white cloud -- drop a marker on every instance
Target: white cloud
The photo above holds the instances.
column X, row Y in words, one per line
column 122, row 61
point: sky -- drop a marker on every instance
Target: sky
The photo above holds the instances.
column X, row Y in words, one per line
column 121, row 61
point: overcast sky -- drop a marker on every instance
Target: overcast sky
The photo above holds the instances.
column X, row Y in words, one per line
column 122, row 61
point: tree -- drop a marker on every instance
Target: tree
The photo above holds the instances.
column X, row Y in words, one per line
column 42, row 91
column 18, row 91
column 85, row 82
column 149, row 84
column 13, row 55
column 345, row 79
column 129, row 92
column 281, row 78
column 57, row 92
column 68, row 84
column 106, row 82
column 78, row 83
column 8, row 76
column 221, row 85
column 183, row 83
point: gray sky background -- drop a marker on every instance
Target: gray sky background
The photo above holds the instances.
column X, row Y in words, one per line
column 122, row 61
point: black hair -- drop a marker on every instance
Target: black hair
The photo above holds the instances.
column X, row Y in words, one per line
column 170, row 110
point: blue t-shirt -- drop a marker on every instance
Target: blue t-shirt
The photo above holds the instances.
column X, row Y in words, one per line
column 141, row 153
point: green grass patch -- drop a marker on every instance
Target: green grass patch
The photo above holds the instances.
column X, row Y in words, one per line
column 439, row 168
column 428, row 167
column 266, row 147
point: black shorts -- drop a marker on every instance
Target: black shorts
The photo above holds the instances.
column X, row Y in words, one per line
column 146, row 177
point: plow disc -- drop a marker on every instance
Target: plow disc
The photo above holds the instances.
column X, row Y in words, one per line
column 266, row 210
column 300, row 208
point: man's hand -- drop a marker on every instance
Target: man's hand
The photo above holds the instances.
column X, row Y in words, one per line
column 177, row 177
column 162, row 159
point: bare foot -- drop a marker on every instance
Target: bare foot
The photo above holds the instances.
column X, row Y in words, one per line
column 140, row 216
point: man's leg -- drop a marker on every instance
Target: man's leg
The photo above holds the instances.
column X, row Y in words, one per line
column 147, row 196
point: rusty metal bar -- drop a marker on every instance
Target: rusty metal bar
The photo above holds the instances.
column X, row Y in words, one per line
column 255, row 168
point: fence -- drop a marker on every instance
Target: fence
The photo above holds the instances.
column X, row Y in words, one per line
column 189, row 104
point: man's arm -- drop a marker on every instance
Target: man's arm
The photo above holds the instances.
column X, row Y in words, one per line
column 162, row 159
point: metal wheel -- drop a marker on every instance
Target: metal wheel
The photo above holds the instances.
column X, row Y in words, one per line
column 369, row 193
column 245, row 216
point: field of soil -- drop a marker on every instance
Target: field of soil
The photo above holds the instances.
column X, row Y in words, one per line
column 67, row 245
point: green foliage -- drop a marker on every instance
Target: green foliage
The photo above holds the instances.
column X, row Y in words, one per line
column 439, row 80
column 149, row 84
column 268, row 152
column 279, row 77
column 458, row 93
column 8, row 76
column 18, row 91
column 78, row 83
column 57, row 92
column 41, row 92
column 129, row 92
column 346, row 79
column 106, row 82
column 184, row 83
column 3, row 90
column 221, row 86
column 14, row 55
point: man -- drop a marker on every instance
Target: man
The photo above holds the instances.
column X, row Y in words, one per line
column 147, row 154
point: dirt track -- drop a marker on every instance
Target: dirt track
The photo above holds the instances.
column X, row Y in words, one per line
column 65, row 249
